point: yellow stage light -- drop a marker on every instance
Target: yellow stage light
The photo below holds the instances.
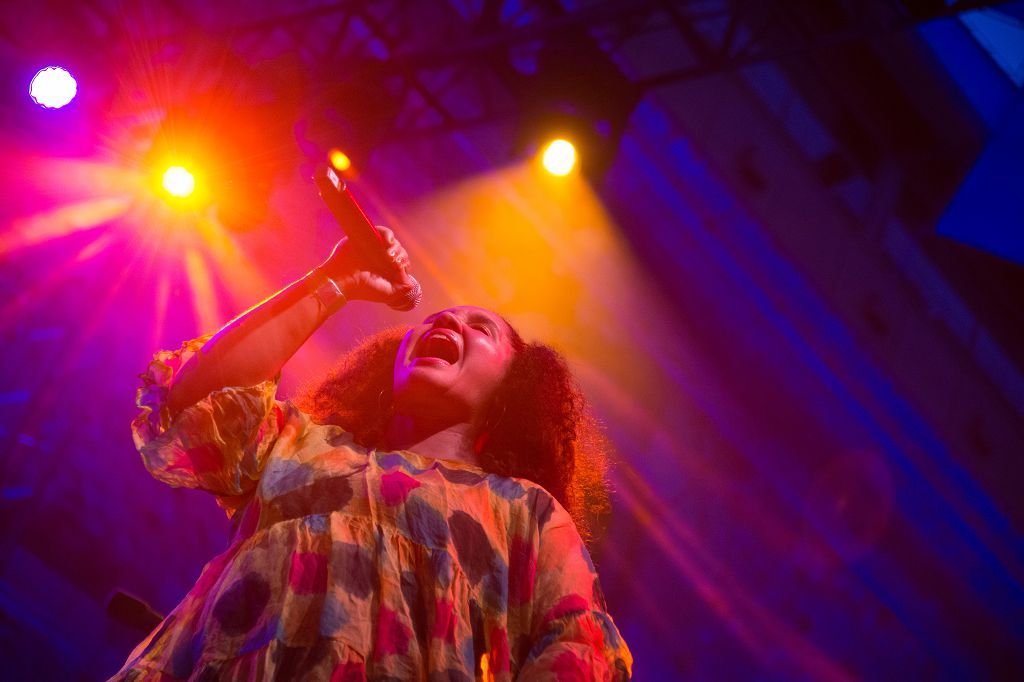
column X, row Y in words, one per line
column 559, row 157
column 178, row 181
column 339, row 160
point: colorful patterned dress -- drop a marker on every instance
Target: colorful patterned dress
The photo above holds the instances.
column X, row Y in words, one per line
column 353, row 564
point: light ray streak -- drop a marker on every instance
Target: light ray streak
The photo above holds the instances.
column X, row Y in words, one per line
column 60, row 222
column 53, row 277
column 783, row 539
column 52, row 387
column 162, row 299
column 204, row 296
column 761, row 632
column 73, row 178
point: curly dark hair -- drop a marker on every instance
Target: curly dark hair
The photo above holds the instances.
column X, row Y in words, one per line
column 538, row 425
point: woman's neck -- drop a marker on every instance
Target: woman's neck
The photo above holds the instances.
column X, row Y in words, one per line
column 430, row 440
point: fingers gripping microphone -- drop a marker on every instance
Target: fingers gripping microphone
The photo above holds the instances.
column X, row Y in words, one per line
column 364, row 236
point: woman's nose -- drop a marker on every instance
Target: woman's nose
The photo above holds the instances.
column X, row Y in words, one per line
column 448, row 320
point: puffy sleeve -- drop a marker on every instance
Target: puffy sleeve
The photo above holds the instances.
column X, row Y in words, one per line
column 573, row 636
column 219, row 444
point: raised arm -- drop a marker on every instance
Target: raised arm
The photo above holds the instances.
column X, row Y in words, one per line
column 255, row 345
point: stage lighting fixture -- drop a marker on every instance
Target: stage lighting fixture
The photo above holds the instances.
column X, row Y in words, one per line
column 178, row 182
column 339, row 160
column 559, row 157
column 576, row 92
column 52, row 87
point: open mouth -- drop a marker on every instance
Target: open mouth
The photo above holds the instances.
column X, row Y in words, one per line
column 439, row 345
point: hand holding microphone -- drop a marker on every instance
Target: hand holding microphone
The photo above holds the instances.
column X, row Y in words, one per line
column 369, row 264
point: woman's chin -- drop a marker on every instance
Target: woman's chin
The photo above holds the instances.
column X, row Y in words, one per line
column 423, row 386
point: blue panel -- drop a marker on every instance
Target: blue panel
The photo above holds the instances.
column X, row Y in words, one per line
column 984, row 85
column 988, row 210
column 1002, row 35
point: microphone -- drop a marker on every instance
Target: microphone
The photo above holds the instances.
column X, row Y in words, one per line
column 364, row 236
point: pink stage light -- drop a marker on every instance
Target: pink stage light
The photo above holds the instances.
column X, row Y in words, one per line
column 53, row 87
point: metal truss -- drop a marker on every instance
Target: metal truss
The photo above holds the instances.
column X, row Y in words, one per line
column 446, row 70
column 445, row 65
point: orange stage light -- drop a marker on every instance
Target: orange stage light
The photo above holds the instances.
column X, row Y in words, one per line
column 339, row 160
column 559, row 157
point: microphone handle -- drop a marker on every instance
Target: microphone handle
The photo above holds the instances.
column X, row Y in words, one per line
column 368, row 242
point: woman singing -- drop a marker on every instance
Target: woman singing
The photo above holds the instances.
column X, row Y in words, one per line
column 412, row 517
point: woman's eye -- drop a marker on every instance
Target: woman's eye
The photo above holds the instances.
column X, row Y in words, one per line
column 483, row 327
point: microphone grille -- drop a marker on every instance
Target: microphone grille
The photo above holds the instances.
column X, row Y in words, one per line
column 409, row 297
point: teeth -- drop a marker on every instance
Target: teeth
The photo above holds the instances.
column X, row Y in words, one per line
column 439, row 346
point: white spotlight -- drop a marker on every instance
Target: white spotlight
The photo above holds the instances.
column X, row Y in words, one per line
column 53, row 87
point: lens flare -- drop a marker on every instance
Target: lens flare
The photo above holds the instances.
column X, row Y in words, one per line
column 52, row 87
column 559, row 157
column 178, row 182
